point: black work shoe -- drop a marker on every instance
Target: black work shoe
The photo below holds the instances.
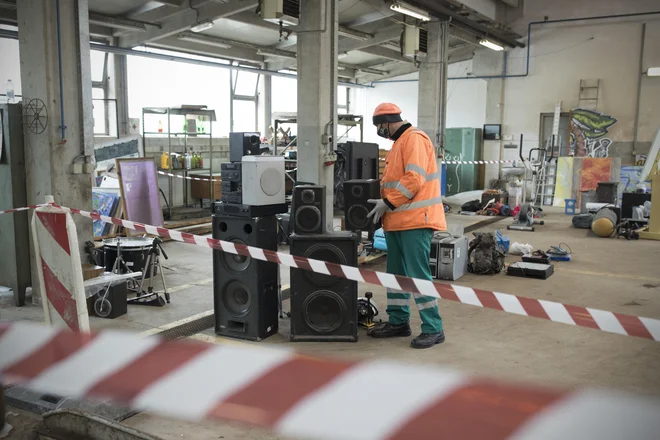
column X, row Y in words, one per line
column 388, row 330
column 428, row 340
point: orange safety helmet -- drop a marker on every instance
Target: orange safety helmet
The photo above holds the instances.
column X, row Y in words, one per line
column 387, row 112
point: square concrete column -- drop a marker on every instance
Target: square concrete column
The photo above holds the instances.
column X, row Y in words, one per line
column 56, row 71
column 432, row 103
column 317, row 95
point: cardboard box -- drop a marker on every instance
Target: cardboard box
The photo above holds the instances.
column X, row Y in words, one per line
column 90, row 271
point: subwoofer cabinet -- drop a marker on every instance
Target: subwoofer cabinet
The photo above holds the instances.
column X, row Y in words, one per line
column 308, row 209
column 245, row 289
column 356, row 208
column 323, row 307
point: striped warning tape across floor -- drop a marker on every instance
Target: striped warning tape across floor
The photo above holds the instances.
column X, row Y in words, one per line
column 648, row 328
column 181, row 176
column 475, row 162
column 307, row 397
column 26, row 208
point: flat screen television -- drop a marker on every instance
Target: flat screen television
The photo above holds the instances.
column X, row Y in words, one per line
column 492, row 132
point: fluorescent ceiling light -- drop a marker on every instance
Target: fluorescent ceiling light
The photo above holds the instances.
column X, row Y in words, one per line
column 412, row 11
column 653, row 71
column 204, row 40
column 491, row 45
column 277, row 53
column 202, row 26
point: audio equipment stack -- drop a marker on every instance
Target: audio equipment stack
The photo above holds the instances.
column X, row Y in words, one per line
column 323, row 307
column 246, row 291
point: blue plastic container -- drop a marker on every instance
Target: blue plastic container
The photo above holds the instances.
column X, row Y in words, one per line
column 571, row 204
column 379, row 240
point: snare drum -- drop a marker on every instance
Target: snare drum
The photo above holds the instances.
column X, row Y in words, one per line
column 134, row 252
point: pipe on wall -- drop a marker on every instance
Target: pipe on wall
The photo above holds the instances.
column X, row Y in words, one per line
column 529, row 44
column 639, row 88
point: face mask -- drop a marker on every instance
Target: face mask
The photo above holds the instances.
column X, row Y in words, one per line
column 384, row 132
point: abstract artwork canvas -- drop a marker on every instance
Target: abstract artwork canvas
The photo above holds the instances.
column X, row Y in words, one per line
column 564, row 184
column 105, row 204
column 594, row 170
column 630, row 176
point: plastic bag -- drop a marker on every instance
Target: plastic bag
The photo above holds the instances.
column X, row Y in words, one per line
column 520, row 249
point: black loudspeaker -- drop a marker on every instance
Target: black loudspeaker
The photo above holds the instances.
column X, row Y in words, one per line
column 323, row 307
column 361, row 160
column 308, row 209
column 245, row 289
column 243, row 144
column 356, row 208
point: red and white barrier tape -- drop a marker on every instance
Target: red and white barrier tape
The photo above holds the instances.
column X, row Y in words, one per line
column 475, row 162
column 27, row 208
column 307, row 397
column 611, row 322
column 181, row 176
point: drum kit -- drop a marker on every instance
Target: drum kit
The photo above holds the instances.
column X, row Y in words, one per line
column 124, row 255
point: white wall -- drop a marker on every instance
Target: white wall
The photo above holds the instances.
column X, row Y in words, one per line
column 466, row 100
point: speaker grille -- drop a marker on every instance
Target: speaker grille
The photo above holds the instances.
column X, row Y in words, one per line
column 324, row 311
column 237, row 298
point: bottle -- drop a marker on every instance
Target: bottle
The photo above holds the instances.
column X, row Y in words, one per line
column 201, row 160
column 165, row 160
column 11, row 96
column 175, row 161
column 160, row 126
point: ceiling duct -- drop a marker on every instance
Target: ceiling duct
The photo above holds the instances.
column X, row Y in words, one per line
column 281, row 11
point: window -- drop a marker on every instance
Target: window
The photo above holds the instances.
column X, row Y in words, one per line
column 100, row 106
column 245, row 116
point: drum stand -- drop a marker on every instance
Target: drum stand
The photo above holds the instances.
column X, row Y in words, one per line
column 149, row 297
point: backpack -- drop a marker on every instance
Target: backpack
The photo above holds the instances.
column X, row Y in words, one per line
column 471, row 206
column 483, row 255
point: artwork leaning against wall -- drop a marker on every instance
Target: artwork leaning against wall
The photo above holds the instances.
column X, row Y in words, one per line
column 589, row 130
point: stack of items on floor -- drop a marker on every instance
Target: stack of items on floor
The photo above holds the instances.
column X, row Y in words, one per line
column 613, row 200
column 106, row 201
column 492, row 203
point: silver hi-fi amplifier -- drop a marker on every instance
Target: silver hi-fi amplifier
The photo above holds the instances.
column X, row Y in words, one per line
column 449, row 256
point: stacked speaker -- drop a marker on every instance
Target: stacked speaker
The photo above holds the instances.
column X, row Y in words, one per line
column 323, row 307
column 356, row 209
column 245, row 290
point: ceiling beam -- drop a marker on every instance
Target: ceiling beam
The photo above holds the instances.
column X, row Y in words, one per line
column 384, row 52
column 379, row 11
column 120, row 22
column 186, row 19
column 232, row 53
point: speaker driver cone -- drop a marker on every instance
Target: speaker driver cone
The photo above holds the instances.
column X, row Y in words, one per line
column 237, row 298
column 308, row 218
column 233, row 262
column 324, row 252
column 357, row 215
column 324, row 311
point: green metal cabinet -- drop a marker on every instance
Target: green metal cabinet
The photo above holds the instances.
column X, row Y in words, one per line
column 462, row 144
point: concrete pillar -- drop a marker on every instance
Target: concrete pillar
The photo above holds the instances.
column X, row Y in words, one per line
column 55, row 68
column 266, row 103
column 317, row 95
column 432, row 101
column 118, row 89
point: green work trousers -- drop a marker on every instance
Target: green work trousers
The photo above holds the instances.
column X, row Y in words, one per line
column 408, row 254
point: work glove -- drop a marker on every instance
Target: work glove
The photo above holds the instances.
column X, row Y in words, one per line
column 378, row 211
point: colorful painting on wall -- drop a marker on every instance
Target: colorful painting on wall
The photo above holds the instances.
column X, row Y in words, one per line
column 594, row 170
column 564, row 184
column 589, row 129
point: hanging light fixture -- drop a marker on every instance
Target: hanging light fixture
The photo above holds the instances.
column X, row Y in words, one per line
column 405, row 8
column 489, row 44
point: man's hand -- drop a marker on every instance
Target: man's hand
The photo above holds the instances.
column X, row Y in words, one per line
column 378, row 211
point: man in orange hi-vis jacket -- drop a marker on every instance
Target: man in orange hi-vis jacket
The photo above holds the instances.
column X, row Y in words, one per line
column 411, row 208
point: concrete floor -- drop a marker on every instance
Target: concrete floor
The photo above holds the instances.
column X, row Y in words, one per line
column 616, row 275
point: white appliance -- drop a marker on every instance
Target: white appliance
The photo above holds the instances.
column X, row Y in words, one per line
column 263, row 180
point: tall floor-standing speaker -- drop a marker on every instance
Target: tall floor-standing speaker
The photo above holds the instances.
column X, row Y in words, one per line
column 356, row 209
column 245, row 289
column 323, row 307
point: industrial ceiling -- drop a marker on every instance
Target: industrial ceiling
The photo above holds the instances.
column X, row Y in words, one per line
column 370, row 31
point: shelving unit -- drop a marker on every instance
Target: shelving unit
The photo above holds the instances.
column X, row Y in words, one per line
column 170, row 118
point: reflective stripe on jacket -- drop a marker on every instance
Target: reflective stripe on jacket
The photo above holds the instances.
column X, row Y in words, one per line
column 411, row 183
